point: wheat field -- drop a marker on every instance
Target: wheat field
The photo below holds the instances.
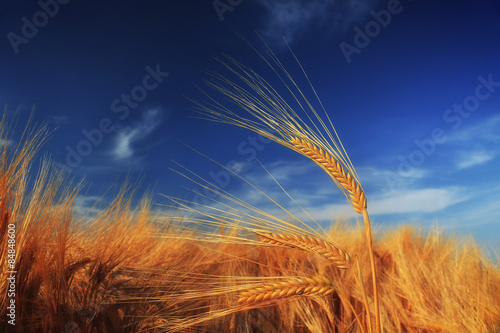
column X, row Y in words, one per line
column 186, row 267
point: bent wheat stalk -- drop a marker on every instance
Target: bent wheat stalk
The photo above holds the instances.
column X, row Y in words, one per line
column 273, row 117
column 332, row 252
column 316, row 286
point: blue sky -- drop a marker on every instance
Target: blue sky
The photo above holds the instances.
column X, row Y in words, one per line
column 412, row 87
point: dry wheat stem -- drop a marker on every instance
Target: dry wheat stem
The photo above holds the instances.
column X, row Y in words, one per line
column 368, row 230
column 308, row 243
column 316, row 286
column 357, row 196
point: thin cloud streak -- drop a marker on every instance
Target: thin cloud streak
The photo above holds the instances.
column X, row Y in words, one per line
column 429, row 200
column 471, row 159
column 60, row 120
column 417, row 201
column 487, row 130
column 87, row 205
column 129, row 135
column 294, row 18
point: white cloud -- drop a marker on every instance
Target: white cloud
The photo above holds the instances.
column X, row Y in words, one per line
column 290, row 18
column 126, row 136
column 476, row 144
column 411, row 201
column 467, row 160
column 86, row 205
column 486, row 130
column 284, row 170
column 382, row 178
column 428, row 200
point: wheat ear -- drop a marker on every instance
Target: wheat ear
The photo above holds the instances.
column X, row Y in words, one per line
column 333, row 167
column 308, row 243
column 316, row 286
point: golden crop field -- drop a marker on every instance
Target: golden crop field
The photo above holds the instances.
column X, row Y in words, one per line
column 188, row 267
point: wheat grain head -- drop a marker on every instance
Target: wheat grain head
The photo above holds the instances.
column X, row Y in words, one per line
column 315, row 286
column 340, row 176
column 324, row 248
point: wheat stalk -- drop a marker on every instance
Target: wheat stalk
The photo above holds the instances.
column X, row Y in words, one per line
column 308, row 243
column 316, row 286
column 276, row 119
column 334, row 169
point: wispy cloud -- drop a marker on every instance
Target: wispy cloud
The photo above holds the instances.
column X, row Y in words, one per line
column 476, row 144
column 429, row 200
column 420, row 200
column 418, row 203
column 381, row 178
column 59, row 120
column 486, row 130
column 127, row 136
column 285, row 170
column 86, row 205
column 291, row 18
column 474, row 158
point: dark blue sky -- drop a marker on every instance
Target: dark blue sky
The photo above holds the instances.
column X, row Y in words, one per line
column 415, row 97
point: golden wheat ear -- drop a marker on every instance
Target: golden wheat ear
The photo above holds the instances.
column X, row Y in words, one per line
column 326, row 249
column 342, row 178
column 315, row 286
